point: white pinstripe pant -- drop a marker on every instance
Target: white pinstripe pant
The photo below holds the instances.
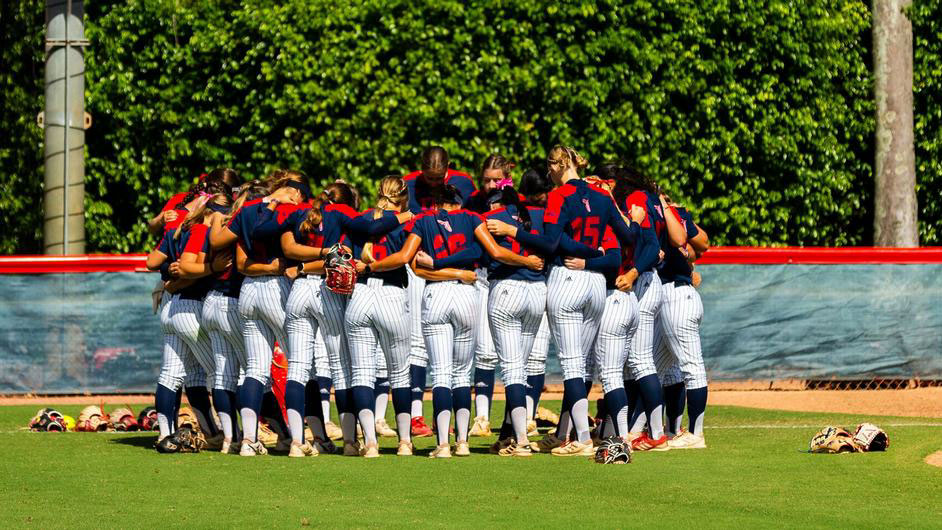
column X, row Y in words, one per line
column 679, row 356
column 382, row 370
column 375, row 315
column 485, row 352
column 418, row 355
column 516, row 308
column 313, row 308
column 190, row 357
column 641, row 350
column 262, row 307
column 223, row 324
column 449, row 316
column 536, row 361
column 574, row 303
column 617, row 328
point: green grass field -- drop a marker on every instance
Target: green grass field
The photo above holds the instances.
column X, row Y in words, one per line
column 753, row 474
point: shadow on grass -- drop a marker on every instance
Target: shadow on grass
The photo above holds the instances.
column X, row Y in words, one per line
column 141, row 440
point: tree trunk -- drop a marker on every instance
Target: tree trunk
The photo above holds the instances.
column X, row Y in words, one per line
column 895, row 168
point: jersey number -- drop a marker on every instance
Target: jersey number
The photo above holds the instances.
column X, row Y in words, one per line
column 456, row 243
column 586, row 231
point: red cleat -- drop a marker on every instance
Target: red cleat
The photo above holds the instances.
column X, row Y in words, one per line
column 419, row 428
column 646, row 443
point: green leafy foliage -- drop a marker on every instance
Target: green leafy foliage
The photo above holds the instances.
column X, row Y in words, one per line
column 758, row 115
column 21, row 140
column 926, row 16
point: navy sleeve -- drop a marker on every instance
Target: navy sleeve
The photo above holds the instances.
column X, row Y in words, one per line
column 365, row 224
column 567, row 246
column 646, row 250
column 165, row 271
column 464, row 258
column 541, row 244
column 609, row 262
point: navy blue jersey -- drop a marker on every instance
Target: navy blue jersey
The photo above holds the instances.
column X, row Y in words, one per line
column 194, row 240
column 579, row 212
column 419, row 199
column 259, row 229
column 608, row 263
column 383, row 245
column 500, row 271
column 644, row 256
column 448, row 235
column 676, row 268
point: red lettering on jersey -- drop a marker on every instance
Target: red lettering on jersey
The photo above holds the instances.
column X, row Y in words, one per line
column 586, row 231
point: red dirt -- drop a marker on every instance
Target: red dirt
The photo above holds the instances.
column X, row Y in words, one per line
column 935, row 459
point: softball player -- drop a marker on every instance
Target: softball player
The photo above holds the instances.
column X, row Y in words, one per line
column 451, row 237
column 633, row 190
column 576, row 211
column 434, row 174
column 257, row 228
column 517, row 305
column 185, row 248
column 313, row 307
column 375, row 315
column 678, row 350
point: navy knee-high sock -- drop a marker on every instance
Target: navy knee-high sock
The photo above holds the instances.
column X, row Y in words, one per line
column 250, row 397
column 484, row 387
column 176, row 409
column 224, row 402
column 568, row 400
column 441, row 402
column 198, row 396
column 417, row 381
column 381, row 386
column 271, row 411
column 312, row 400
column 696, row 406
column 166, row 403
column 588, row 387
column 506, row 427
column 635, row 408
column 674, row 397
column 325, row 384
column 516, row 399
column 615, row 402
column 652, row 398
column 576, row 388
column 295, row 400
column 535, row 389
column 402, row 400
column 364, row 397
column 601, row 414
column 344, row 401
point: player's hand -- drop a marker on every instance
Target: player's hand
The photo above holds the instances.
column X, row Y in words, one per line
column 169, row 215
column 291, row 273
column 277, row 266
column 360, row 266
column 175, row 269
column 576, row 264
column 626, row 281
column 660, row 256
column 697, row 279
column 222, row 261
column 468, row 277
column 424, row 260
column 500, row 228
column 637, row 213
column 535, row 263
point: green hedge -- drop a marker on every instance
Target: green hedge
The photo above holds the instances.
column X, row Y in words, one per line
column 758, row 115
column 926, row 16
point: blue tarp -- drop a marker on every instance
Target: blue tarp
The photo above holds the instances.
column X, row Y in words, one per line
column 74, row 333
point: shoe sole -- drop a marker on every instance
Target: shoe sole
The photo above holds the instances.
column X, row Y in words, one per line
column 589, row 454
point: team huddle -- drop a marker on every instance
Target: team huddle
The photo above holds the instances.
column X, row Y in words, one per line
column 453, row 279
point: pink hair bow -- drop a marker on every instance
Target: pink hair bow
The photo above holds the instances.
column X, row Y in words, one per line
column 503, row 183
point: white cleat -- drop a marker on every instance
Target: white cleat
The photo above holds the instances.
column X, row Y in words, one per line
column 252, row 449
column 687, row 440
column 574, row 448
column 333, row 432
column 370, row 451
column 481, row 427
column 531, row 429
column 442, row 451
column 301, row 450
column 462, row 449
column 383, row 429
column 405, row 448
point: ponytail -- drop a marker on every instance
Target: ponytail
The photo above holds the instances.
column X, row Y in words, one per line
column 334, row 193
column 508, row 196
